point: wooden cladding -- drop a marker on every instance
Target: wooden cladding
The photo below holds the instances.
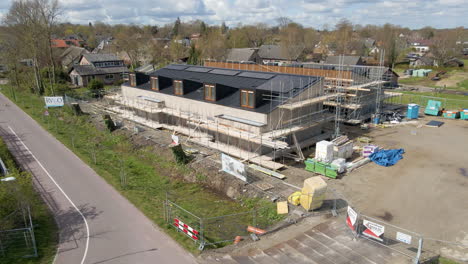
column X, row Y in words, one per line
column 280, row 69
column 247, row 98
column 154, row 83
column 132, row 80
column 210, row 92
column 178, row 87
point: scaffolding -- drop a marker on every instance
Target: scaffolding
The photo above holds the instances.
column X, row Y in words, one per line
column 295, row 119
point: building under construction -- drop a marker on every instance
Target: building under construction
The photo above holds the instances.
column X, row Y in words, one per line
column 256, row 115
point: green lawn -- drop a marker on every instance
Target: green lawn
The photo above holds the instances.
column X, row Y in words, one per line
column 449, row 101
column 149, row 175
column 45, row 228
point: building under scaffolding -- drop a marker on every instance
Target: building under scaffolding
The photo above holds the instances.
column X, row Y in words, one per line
column 255, row 116
column 357, row 89
column 257, row 113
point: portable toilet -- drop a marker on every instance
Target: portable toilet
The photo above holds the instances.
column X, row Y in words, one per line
column 433, row 107
column 464, row 114
column 413, row 111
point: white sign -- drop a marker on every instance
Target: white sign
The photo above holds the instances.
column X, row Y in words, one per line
column 175, row 140
column 351, row 219
column 53, row 101
column 403, row 237
column 233, row 167
column 373, row 230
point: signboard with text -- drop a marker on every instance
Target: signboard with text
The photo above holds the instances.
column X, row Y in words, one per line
column 233, row 167
column 53, row 101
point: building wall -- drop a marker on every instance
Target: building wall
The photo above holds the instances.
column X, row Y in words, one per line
column 204, row 109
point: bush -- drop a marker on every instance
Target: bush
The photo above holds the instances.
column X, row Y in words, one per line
column 95, row 88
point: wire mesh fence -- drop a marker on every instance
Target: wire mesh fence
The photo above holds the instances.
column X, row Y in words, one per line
column 17, row 235
column 447, row 103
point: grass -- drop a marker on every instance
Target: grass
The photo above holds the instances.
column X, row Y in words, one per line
column 149, row 175
column 44, row 225
column 447, row 261
column 449, row 101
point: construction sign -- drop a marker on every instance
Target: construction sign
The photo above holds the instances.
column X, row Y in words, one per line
column 351, row 219
column 373, row 230
column 190, row 232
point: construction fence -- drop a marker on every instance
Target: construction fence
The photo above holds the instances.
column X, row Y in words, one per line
column 17, row 238
column 221, row 230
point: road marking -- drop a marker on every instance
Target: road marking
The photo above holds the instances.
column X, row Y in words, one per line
column 66, row 196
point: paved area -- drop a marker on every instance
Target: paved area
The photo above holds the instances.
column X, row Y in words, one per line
column 328, row 243
column 97, row 224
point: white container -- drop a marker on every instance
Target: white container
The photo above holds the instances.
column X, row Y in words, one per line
column 324, row 151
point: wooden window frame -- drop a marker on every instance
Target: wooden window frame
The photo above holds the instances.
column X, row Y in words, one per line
column 247, row 92
column 132, row 78
column 212, row 94
column 176, row 89
column 152, row 80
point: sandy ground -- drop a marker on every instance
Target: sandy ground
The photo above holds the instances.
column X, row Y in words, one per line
column 453, row 79
column 427, row 191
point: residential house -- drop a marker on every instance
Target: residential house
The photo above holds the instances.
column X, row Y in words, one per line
column 244, row 55
column 324, row 49
column 454, row 62
column 345, row 60
column 71, row 56
column 69, row 41
column 279, row 55
column 426, row 60
column 105, row 67
column 421, row 46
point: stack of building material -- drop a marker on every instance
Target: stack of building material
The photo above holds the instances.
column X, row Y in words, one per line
column 324, row 151
column 342, row 147
column 368, row 150
column 313, row 193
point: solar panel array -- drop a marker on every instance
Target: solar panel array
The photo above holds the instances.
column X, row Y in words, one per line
column 257, row 75
column 224, row 72
column 176, row 67
column 198, row 69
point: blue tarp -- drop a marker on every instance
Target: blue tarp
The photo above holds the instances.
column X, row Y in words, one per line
column 387, row 157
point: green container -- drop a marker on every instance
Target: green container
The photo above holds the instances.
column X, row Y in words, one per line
column 331, row 172
column 320, row 168
column 464, row 114
column 310, row 165
column 433, row 107
column 451, row 114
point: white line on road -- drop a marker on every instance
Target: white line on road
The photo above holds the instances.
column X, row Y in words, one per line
column 66, row 196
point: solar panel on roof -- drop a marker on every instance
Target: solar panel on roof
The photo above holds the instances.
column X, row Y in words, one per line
column 224, row 72
column 257, row 75
column 198, row 69
column 176, row 67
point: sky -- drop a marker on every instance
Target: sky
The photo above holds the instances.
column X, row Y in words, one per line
column 315, row 13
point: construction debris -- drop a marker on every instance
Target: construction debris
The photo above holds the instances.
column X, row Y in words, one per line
column 267, row 171
column 282, row 207
column 295, row 198
column 313, row 193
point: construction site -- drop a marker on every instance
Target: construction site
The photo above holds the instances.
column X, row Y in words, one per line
column 257, row 130
column 284, row 111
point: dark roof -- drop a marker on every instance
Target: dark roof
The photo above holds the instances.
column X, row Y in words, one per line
column 275, row 52
column 84, row 70
column 426, row 60
column 261, row 81
column 93, row 57
column 347, row 60
column 241, row 54
column 72, row 54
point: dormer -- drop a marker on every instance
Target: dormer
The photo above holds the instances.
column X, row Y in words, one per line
column 137, row 78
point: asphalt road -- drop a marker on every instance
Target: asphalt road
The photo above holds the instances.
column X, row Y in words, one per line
column 97, row 224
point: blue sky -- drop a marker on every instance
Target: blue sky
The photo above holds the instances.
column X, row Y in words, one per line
column 315, row 13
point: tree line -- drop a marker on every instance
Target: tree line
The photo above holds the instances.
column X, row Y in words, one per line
column 29, row 25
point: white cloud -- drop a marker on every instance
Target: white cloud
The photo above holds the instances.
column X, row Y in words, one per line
column 316, row 13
